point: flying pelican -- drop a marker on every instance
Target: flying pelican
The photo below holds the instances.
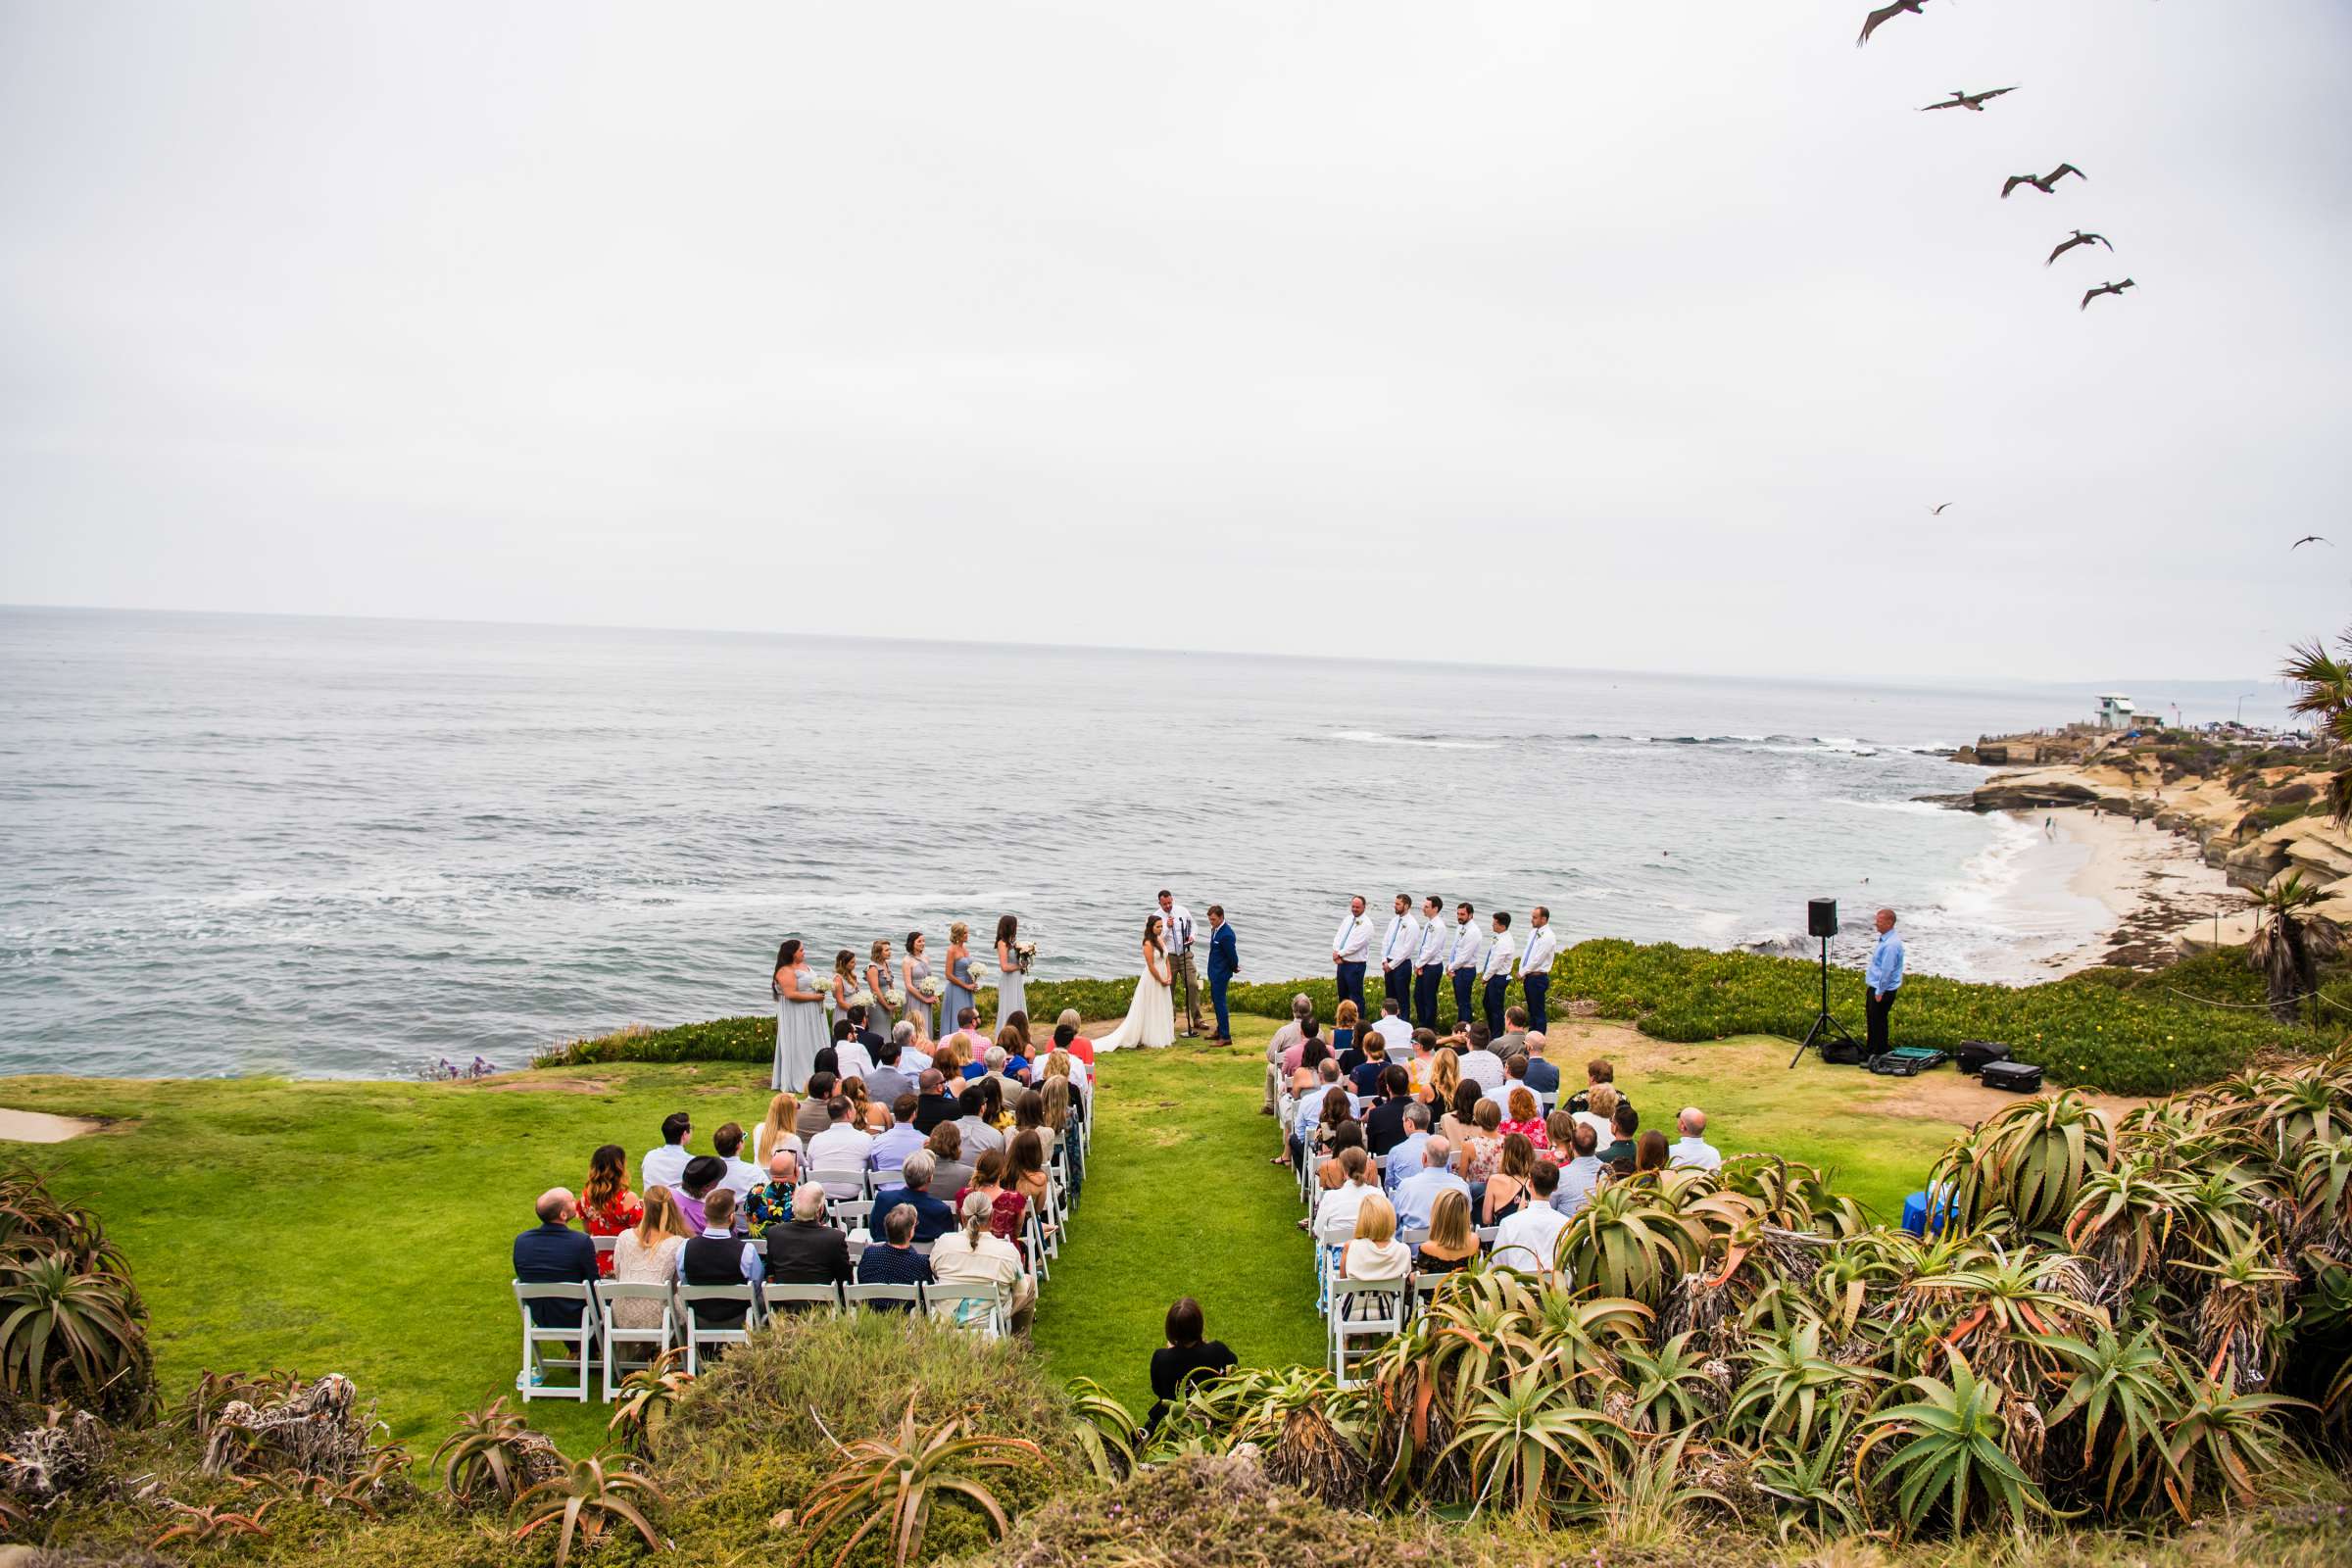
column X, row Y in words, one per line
column 2045, row 183
column 2080, row 238
column 1886, row 14
column 2105, row 288
column 1967, row 100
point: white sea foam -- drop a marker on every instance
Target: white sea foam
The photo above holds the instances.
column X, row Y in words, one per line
column 1369, row 737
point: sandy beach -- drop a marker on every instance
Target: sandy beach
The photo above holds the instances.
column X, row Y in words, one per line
column 2127, row 883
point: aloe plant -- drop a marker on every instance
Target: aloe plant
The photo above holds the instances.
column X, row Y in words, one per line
column 2029, row 1162
column 1529, row 1443
column 1951, row 1455
column 1629, row 1240
column 65, row 1331
column 646, row 1398
column 896, row 1481
column 1107, row 1432
column 585, row 1502
column 2123, row 1391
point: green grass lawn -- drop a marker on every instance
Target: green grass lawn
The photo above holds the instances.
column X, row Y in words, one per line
column 365, row 1227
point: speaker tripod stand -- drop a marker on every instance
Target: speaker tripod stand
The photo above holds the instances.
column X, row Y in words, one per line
column 1826, row 1026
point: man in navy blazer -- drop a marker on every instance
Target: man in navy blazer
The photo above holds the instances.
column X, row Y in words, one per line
column 1224, row 962
column 552, row 1252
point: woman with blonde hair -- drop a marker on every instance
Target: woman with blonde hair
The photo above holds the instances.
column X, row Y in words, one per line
column 775, row 1132
column 1059, row 1108
column 879, row 1015
column 1375, row 1254
column 1452, row 1242
column 649, row 1255
column 1342, row 1033
column 1507, row 1189
column 962, row 985
column 1600, row 1112
column 1080, row 1047
column 1444, row 1077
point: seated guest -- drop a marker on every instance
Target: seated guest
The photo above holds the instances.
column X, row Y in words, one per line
column 932, row 1217
column 913, row 1060
column 1310, row 1113
column 771, row 1203
column 804, row 1249
column 1007, row 1209
column 864, row 1115
column 950, row 1172
column 1066, row 1039
column 870, row 1038
column 1184, row 1360
column 1365, row 1079
column 608, row 1208
column 1514, row 1075
column 1424, row 1061
column 1335, row 1213
column 1513, row 1040
column 1396, row 1035
column 1076, row 1043
column 1008, row 1059
column 718, row 1256
column 812, row 1119
column 740, row 1174
column 1527, row 1117
column 552, row 1252
column 975, row 1255
column 649, row 1255
column 1693, row 1147
column 1459, row 1122
column 993, row 1108
column 1281, row 1050
column 1374, row 1252
column 839, row 1151
column 852, row 1058
column 1597, row 1071
column 1452, row 1242
column 1559, row 1131
column 1017, row 1020
column 975, row 1121
column 1506, row 1191
column 1649, row 1152
column 665, row 1165
column 895, row 1262
column 1623, row 1123
column 1445, row 1080
column 1598, row 1111
column 1286, row 1111
column 1542, row 1077
column 1383, row 1124
column 1418, row 1192
column 886, row 1083
column 704, row 1175
column 1480, row 1064
column 1482, row 1151
column 1333, row 1114
column 892, row 1146
column 1343, row 1037
column 935, row 1104
column 774, row 1131
column 1583, row 1173
column 1314, row 1049
column 1405, row 1156
column 1025, row 1174
column 1531, row 1239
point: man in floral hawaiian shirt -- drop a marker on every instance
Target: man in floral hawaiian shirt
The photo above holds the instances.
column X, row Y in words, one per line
column 771, row 1203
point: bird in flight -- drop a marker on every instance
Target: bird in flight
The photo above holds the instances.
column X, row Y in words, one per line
column 1937, row 511
column 1883, row 14
column 2105, row 288
column 2045, row 183
column 2312, row 539
column 1967, row 100
column 2080, row 238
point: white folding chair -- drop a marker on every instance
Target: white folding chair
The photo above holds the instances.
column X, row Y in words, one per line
column 604, row 1244
column 1486, row 1236
column 579, row 1339
column 879, row 1180
column 1361, row 1310
column 700, row 1334
column 841, row 1185
column 852, row 1214
column 658, row 1339
column 1413, row 1235
column 787, row 1299
column 1033, row 1233
column 862, row 1296
column 977, row 1308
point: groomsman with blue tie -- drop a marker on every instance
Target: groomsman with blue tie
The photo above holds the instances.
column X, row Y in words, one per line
column 1461, row 960
column 1496, row 972
column 1535, row 964
column 1429, row 963
column 1350, row 948
column 1397, row 951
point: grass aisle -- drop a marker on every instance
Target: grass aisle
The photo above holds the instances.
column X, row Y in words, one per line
column 1179, row 1200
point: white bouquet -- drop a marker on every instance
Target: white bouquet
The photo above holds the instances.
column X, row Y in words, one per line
column 930, row 992
column 1026, row 952
column 981, row 975
column 861, row 997
column 894, row 998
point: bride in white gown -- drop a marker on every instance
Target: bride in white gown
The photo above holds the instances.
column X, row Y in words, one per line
column 1151, row 1016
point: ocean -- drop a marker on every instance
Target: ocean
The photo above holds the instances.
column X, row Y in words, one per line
column 334, row 848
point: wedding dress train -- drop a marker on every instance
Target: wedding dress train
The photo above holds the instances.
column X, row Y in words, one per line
column 1151, row 1017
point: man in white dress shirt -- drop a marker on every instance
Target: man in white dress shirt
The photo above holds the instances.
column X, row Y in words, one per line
column 667, row 1166
column 1429, row 963
column 1351, row 947
column 1530, row 1239
column 1176, row 941
column 1495, row 972
column 1398, row 944
column 1395, row 1033
column 1480, row 1065
column 1535, row 964
column 1461, row 962
column 1693, row 1147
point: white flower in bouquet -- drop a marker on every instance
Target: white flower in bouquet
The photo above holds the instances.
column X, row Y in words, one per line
column 1027, row 950
column 894, row 998
column 931, row 993
column 861, row 997
column 981, row 975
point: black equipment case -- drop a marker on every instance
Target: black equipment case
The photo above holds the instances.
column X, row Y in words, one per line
column 1972, row 1055
column 2018, row 1077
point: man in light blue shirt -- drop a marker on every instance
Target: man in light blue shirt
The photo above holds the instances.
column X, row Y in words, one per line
column 1882, row 979
column 1405, row 1159
column 1419, row 1194
column 1581, row 1174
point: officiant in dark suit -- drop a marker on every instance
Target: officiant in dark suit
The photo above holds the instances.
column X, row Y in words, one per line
column 1224, row 962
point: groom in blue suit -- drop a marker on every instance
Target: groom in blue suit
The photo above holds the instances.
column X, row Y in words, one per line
column 1224, row 962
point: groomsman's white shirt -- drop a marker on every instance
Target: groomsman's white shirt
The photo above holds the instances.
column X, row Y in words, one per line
column 1354, row 937
column 1464, row 952
column 1432, row 947
column 1541, row 946
column 1498, row 958
column 1175, row 928
column 1397, row 1035
column 1397, row 947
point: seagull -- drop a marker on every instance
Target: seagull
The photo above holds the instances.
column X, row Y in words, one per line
column 1886, row 14
column 1967, row 100
column 2080, row 238
column 2045, row 183
column 2105, row 288
column 2312, row 539
column 1937, row 511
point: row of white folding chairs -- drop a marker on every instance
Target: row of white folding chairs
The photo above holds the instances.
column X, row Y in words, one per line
column 1367, row 1312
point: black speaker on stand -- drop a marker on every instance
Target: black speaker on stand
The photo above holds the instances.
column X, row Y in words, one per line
column 1821, row 920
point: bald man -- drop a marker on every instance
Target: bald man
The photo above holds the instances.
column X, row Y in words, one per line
column 552, row 1252
column 1882, row 979
column 1693, row 1147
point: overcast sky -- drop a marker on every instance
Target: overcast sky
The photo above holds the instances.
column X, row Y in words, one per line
column 1636, row 335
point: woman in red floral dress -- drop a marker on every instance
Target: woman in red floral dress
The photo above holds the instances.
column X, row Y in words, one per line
column 607, row 1205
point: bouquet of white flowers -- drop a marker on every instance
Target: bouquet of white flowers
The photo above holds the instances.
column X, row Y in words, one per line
column 894, row 998
column 861, row 997
column 930, row 992
column 981, row 975
column 1026, row 952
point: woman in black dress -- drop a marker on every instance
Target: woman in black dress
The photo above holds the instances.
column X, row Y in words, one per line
column 1183, row 1358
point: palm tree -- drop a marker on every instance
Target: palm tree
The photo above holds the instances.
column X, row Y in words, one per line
column 2325, row 698
column 2291, row 942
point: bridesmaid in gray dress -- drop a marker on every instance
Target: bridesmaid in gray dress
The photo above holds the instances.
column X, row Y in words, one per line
column 914, row 972
column 880, row 1016
column 960, row 983
column 800, row 1019
column 1011, row 978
